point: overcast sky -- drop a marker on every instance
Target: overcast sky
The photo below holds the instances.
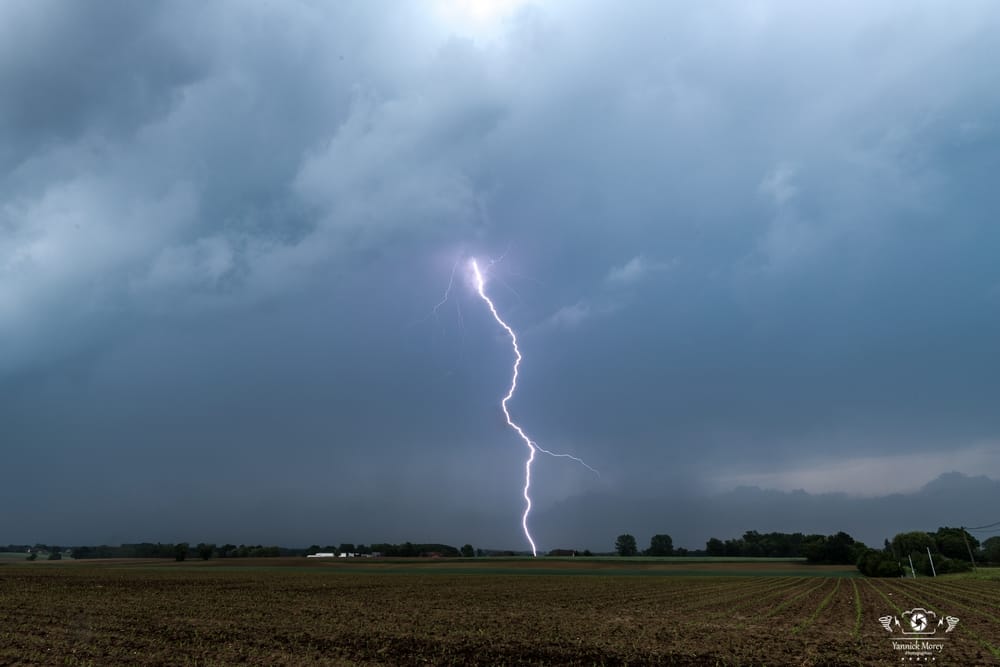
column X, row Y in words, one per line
column 743, row 245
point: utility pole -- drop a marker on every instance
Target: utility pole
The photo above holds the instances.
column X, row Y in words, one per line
column 931, row 558
column 966, row 540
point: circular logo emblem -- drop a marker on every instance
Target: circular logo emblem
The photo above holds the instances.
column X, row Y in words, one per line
column 918, row 621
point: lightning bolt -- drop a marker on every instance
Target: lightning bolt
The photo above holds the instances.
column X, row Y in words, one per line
column 447, row 291
column 529, row 443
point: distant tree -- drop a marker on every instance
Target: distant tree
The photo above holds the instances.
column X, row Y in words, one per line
column 839, row 550
column 205, row 551
column 991, row 549
column 33, row 556
column 586, row 552
column 945, row 565
column 752, row 544
column 227, row 551
column 942, row 564
column 660, row 545
column 681, row 551
column 715, row 547
column 55, row 555
column 955, row 542
column 916, row 542
column 734, row 547
column 814, row 548
column 874, row 563
column 480, row 553
column 346, row 548
column 468, row 551
column 180, row 551
column 625, row 545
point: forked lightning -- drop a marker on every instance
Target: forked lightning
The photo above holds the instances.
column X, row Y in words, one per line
column 529, row 443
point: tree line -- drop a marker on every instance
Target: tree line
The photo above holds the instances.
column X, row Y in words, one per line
column 829, row 549
column 179, row 551
column 944, row 551
column 182, row 550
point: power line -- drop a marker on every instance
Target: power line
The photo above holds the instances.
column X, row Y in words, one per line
column 991, row 525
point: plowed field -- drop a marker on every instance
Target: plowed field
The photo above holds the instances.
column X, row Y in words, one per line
column 482, row 614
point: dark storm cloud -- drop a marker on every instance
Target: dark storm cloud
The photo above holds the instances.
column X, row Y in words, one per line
column 67, row 71
column 742, row 245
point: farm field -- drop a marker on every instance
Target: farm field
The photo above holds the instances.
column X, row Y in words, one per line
column 486, row 612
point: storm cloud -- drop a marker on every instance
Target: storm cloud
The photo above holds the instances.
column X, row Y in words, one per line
column 744, row 245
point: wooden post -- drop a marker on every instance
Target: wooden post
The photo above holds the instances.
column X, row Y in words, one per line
column 966, row 540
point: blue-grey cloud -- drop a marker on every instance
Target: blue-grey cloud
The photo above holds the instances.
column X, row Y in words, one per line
column 742, row 245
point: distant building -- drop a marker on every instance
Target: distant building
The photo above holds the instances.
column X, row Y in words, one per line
column 322, row 555
column 562, row 552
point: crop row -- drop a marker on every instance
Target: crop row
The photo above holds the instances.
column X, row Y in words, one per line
column 89, row 615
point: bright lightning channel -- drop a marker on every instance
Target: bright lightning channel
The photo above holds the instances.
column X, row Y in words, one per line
column 531, row 445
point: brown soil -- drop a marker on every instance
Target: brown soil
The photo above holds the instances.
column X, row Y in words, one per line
column 167, row 615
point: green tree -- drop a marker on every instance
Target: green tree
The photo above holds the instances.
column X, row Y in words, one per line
column 55, row 555
column 874, row 563
column 205, row 551
column 942, row 564
column 180, row 551
column 32, row 556
column 916, row 542
column 951, row 542
column 840, row 549
column 468, row 551
column 625, row 545
column 991, row 549
column 660, row 545
column 715, row 547
column 814, row 548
